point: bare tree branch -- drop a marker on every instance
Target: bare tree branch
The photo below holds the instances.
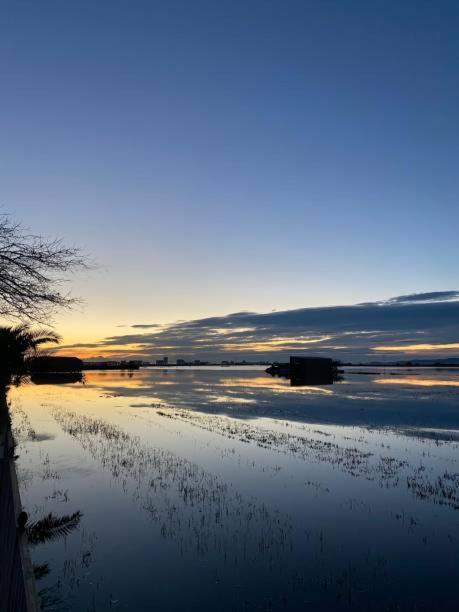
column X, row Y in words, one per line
column 33, row 271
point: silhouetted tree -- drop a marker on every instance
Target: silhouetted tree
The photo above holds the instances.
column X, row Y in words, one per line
column 32, row 271
column 17, row 345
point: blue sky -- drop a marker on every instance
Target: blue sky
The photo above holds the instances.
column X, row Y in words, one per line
column 222, row 156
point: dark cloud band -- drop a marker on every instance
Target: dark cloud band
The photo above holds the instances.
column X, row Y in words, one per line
column 429, row 321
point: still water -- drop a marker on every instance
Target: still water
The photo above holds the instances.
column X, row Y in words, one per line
column 219, row 489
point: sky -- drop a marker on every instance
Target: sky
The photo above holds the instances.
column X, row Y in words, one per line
column 422, row 325
column 219, row 157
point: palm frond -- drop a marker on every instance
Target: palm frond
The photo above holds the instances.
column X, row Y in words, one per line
column 40, row 336
column 18, row 344
column 41, row 570
column 51, row 527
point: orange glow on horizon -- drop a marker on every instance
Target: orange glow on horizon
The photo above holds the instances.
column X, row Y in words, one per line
column 124, row 351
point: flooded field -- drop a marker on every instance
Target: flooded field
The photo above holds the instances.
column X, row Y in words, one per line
column 220, row 489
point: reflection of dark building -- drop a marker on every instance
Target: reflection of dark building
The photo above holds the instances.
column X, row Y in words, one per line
column 306, row 370
column 56, row 378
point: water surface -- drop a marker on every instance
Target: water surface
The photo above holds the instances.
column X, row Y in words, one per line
column 219, row 489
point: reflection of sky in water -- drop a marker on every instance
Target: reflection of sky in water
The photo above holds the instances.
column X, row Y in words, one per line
column 360, row 399
column 418, row 382
column 266, row 496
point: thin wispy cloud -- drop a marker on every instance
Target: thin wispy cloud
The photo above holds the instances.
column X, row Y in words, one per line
column 144, row 325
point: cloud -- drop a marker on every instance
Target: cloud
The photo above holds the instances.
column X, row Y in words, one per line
column 145, row 325
column 404, row 324
column 417, row 348
column 432, row 296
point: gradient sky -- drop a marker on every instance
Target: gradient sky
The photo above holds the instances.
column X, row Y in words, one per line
column 222, row 156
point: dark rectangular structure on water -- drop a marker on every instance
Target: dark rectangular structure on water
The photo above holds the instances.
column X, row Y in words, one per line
column 306, row 370
column 312, row 368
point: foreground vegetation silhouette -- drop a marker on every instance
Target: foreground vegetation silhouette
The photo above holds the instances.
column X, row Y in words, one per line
column 33, row 270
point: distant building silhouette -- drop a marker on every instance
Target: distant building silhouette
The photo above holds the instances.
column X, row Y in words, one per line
column 306, row 370
column 55, row 364
column 111, row 365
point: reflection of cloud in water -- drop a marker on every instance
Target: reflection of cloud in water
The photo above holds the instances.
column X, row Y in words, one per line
column 362, row 400
column 418, row 382
column 112, row 378
column 275, row 384
column 347, row 497
column 229, row 399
